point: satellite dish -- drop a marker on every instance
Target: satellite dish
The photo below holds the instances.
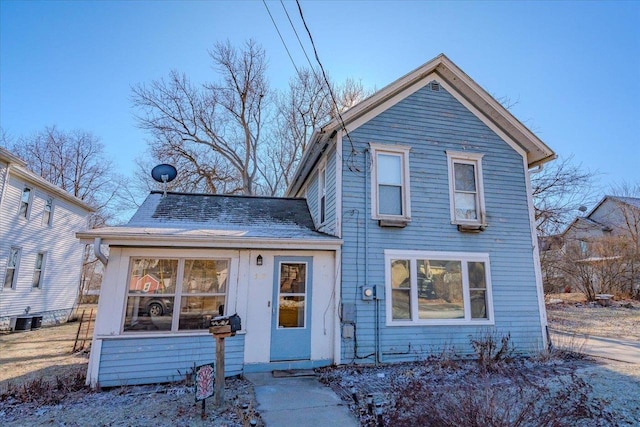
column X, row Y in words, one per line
column 582, row 209
column 164, row 173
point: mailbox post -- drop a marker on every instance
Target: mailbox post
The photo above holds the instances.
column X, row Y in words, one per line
column 221, row 328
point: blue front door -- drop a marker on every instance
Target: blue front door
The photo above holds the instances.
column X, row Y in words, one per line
column 291, row 313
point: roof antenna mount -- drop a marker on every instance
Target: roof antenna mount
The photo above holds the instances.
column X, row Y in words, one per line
column 164, row 173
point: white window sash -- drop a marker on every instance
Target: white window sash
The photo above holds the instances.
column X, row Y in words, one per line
column 475, row 159
column 464, row 258
column 405, row 195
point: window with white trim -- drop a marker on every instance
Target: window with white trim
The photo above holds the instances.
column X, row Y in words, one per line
column 322, row 193
column 38, row 270
column 175, row 294
column 438, row 288
column 47, row 217
column 25, row 203
column 11, row 274
column 466, row 188
column 390, row 196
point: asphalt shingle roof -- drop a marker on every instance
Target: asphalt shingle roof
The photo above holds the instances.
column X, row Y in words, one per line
column 269, row 217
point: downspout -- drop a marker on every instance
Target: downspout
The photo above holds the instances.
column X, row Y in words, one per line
column 97, row 250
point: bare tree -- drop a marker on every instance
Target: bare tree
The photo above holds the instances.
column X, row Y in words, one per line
column 74, row 161
column 305, row 106
column 559, row 190
column 212, row 130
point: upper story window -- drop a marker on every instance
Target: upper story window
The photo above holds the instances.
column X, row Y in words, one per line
column 47, row 218
column 322, row 192
column 437, row 288
column 466, row 188
column 390, row 195
column 25, row 202
column 38, row 270
column 11, row 276
column 175, row 294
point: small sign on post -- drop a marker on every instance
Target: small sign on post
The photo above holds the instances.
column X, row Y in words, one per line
column 221, row 328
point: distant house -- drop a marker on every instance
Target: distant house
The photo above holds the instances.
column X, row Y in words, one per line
column 146, row 283
column 408, row 228
column 600, row 247
column 40, row 257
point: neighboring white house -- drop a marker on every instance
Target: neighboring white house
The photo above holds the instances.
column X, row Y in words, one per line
column 40, row 257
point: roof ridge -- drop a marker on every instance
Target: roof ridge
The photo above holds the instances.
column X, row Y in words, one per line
column 247, row 196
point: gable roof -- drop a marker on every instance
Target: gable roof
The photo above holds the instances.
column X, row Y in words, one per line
column 440, row 68
column 18, row 167
column 208, row 219
column 634, row 202
column 630, row 201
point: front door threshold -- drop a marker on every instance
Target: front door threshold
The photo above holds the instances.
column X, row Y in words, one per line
column 286, row 365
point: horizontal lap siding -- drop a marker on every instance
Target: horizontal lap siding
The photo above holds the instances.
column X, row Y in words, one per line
column 431, row 123
column 163, row 359
column 313, row 201
column 63, row 253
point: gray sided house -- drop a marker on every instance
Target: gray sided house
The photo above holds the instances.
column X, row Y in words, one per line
column 604, row 244
column 409, row 228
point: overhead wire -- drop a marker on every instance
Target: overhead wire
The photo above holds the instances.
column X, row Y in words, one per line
column 333, row 98
column 282, row 38
column 299, row 41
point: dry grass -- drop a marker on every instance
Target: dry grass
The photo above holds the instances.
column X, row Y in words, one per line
column 617, row 321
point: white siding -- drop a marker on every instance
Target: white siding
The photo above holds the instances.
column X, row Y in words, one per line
column 63, row 260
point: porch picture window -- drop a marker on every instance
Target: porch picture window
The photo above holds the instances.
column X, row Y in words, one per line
column 390, row 182
column 11, row 276
column 175, row 294
column 204, row 292
column 437, row 288
column 25, row 202
column 465, row 185
column 38, row 270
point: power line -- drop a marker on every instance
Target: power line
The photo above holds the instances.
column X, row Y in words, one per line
column 324, row 75
column 298, row 37
column 281, row 38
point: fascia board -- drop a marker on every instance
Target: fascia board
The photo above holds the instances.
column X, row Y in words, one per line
column 163, row 240
column 538, row 150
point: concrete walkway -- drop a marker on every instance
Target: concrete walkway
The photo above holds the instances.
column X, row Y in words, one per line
column 298, row 401
column 607, row 348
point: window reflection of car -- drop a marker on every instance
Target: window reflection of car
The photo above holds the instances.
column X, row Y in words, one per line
column 425, row 287
column 155, row 306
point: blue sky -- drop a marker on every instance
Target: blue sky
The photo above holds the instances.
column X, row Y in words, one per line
column 573, row 67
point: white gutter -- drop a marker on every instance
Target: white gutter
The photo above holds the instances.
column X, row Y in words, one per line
column 169, row 240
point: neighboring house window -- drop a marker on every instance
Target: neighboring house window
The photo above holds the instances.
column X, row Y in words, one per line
column 465, row 188
column 11, row 276
column 25, row 202
column 155, row 288
column 438, row 288
column 38, row 270
column 322, row 192
column 48, row 212
column 390, row 195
